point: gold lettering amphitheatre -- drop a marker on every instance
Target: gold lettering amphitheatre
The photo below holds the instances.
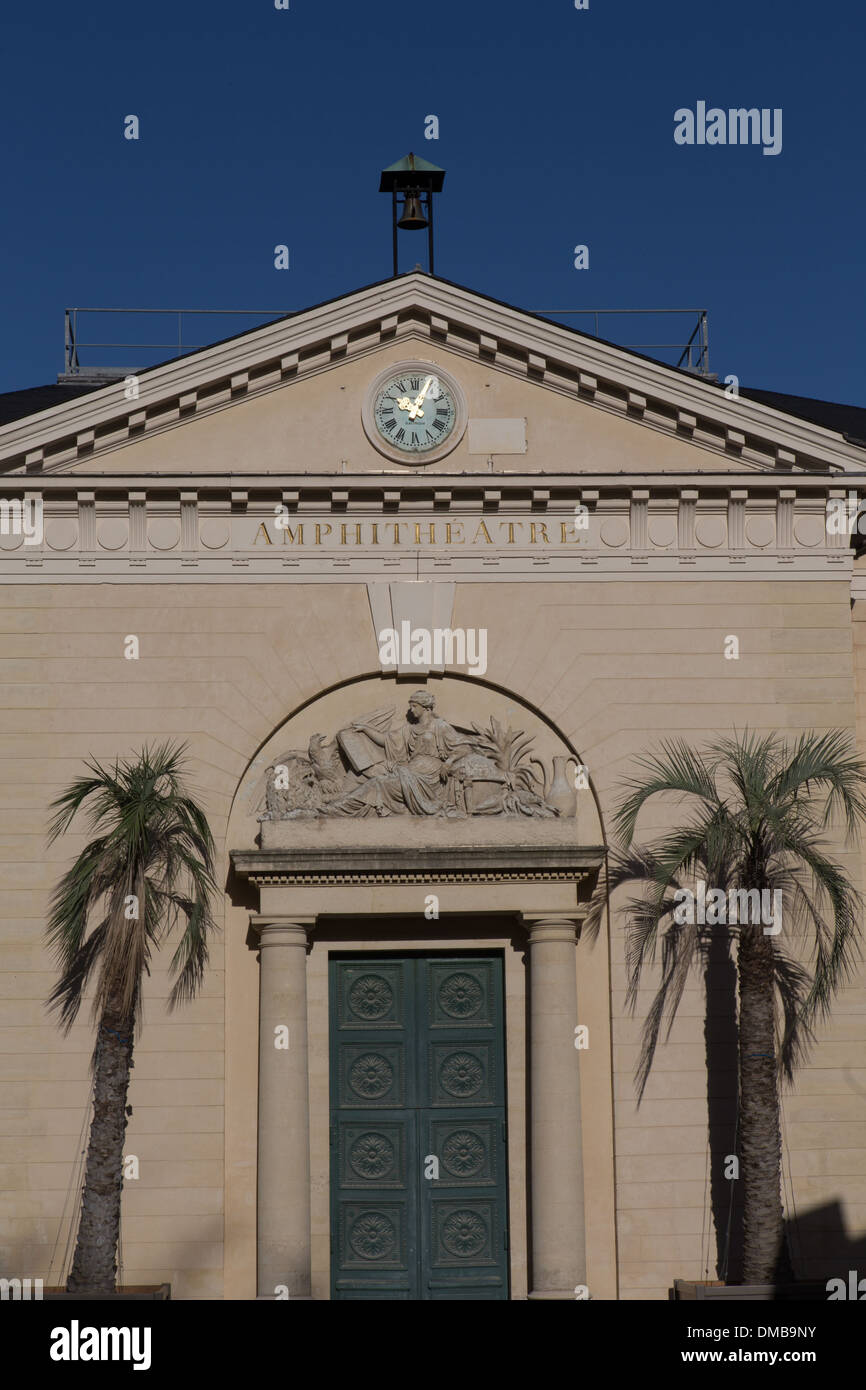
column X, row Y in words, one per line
column 472, row 531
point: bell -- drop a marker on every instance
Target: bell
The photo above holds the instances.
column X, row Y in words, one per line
column 413, row 219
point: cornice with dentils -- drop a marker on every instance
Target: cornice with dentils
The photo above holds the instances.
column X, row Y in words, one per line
column 599, row 374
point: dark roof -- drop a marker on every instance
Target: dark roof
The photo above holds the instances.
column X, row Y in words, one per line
column 16, row 405
column 848, row 420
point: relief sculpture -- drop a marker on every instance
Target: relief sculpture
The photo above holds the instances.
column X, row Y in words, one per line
column 421, row 766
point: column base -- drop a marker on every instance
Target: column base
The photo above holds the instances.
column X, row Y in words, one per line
column 269, row 1298
column 559, row 1294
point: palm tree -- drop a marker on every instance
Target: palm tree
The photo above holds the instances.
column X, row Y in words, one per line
column 150, row 866
column 759, row 810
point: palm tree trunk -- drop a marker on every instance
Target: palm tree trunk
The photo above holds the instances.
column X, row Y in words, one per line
column 760, row 1131
column 722, row 1060
column 94, row 1266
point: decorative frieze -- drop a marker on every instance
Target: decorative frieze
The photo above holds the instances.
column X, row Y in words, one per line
column 420, row 766
column 137, row 522
column 328, row 532
column 390, row 863
column 289, row 876
column 189, row 521
column 686, row 520
column 639, row 506
column 785, row 518
column 737, row 518
column 86, row 522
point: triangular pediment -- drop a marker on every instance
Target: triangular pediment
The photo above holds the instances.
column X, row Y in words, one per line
column 541, row 398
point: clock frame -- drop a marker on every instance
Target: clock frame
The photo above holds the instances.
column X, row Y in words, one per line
column 420, row 458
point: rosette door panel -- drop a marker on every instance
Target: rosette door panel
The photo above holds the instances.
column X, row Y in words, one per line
column 418, row 1143
column 374, row 1139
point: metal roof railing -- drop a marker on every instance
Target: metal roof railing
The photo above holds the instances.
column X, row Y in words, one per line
column 73, row 343
column 693, row 354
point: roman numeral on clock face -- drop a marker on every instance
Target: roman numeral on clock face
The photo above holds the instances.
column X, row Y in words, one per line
column 434, row 417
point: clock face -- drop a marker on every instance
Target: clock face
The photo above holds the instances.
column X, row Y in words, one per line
column 415, row 411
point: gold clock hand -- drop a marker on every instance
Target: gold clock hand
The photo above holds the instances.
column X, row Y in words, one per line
column 413, row 408
column 416, row 412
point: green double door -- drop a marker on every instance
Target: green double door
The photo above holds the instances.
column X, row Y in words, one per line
column 418, row 1143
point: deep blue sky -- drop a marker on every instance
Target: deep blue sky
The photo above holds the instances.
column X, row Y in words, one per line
column 262, row 126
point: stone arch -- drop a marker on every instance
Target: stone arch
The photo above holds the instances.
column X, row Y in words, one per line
column 342, row 698
column 550, row 918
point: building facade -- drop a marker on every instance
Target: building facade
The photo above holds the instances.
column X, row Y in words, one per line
column 418, row 577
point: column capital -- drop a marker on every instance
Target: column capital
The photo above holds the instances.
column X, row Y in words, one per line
column 553, row 926
column 273, row 929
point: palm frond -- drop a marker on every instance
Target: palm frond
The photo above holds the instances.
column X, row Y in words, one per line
column 796, row 1037
column 761, row 809
column 826, row 763
column 150, row 866
column 676, row 768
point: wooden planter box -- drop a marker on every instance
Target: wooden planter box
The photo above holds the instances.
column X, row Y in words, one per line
column 702, row 1290
column 135, row 1293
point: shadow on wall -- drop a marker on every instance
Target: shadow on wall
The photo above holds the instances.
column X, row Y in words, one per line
column 821, row 1247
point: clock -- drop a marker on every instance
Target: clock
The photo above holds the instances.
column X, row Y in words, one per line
column 414, row 412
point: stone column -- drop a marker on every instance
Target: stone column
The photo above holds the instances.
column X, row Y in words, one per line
column 557, row 1219
column 283, row 1216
